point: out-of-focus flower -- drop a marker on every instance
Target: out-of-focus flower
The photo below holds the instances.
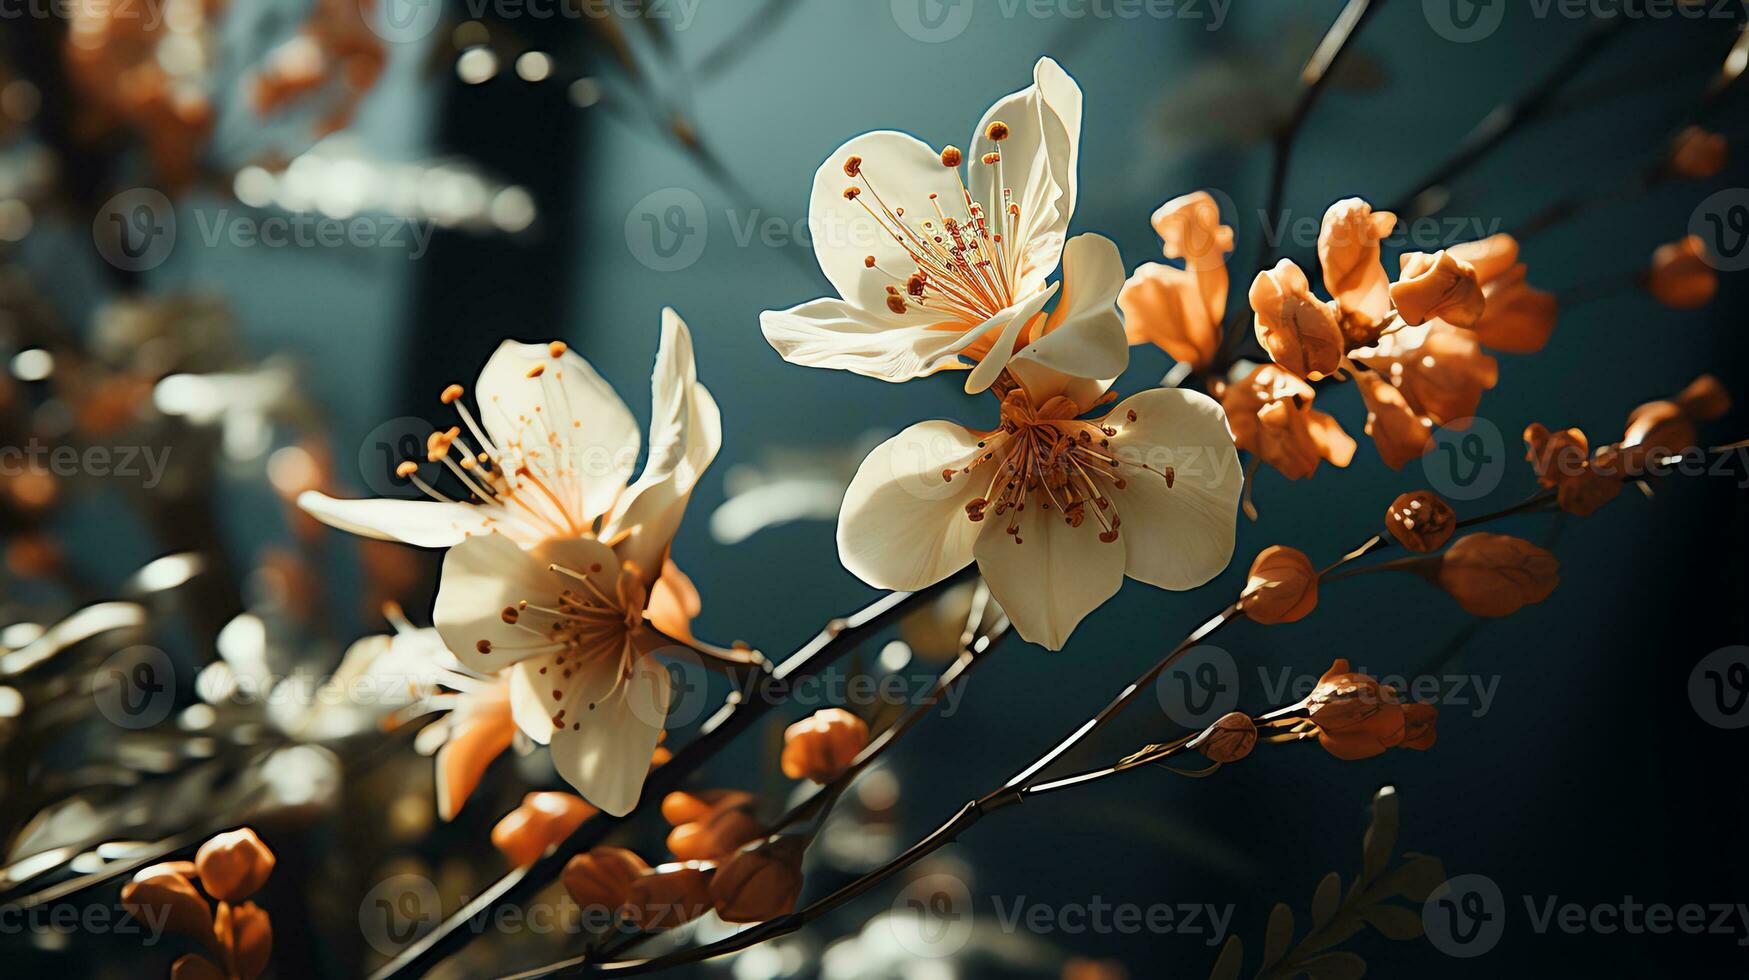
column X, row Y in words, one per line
column 543, row 819
column 1440, row 369
column 1438, row 286
column 1698, row 153
column 1056, row 489
column 1348, row 256
column 710, row 826
column 1271, row 415
column 669, row 897
column 234, row 865
column 602, row 878
column 1283, row 586
column 1298, row 330
column 245, row 935
column 1496, row 574
column 168, row 900
column 1419, row 721
column 1180, row 310
column 335, row 43
column 1400, row 433
column 1517, row 318
column 1420, row 521
column 761, row 881
column 1358, row 718
column 1681, row 277
column 930, row 266
column 569, row 616
column 1229, row 739
column 821, row 746
column 1081, row 968
column 1667, row 427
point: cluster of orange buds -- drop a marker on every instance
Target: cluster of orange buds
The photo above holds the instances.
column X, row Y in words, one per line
column 1584, row 480
column 822, row 746
column 229, row 868
column 726, row 861
column 542, row 821
column 1353, row 716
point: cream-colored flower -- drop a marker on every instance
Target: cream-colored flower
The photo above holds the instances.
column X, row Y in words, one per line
column 930, row 265
column 1054, row 507
column 571, row 618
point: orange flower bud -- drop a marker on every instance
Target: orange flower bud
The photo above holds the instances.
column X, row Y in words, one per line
column 1496, row 574
column 1582, row 495
column 1348, row 255
column 1357, row 717
column 1190, row 229
column 1518, row 318
column 1491, row 257
column 1229, row 739
column 1270, row 414
column 729, row 825
column 681, row 807
column 1163, row 306
column 1441, row 371
column 1299, row 331
column 1396, row 429
column 1283, row 587
column 1704, row 399
column 543, row 819
column 168, row 900
column 823, row 745
column 1438, row 286
column 666, row 899
column 1556, row 456
column 1698, row 154
column 602, row 878
column 1420, row 521
column 246, row 936
column 1681, row 277
column 193, row 966
column 234, row 865
column 762, row 881
column 1418, row 726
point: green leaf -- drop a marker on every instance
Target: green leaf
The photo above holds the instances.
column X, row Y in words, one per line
column 1414, row 879
column 1334, row 966
column 1326, row 899
column 1279, row 934
column 1232, row 958
column 1394, row 921
column 1381, row 836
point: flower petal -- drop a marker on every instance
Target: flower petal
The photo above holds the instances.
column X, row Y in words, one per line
column 899, row 170
column 1054, row 577
column 1039, row 160
column 463, row 760
column 902, row 526
column 605, row 752
column 485, row 575
column 1007, row 326
column 1084, row 337
column 566, row 422
column 1179, row 536
column 422, row 523
column 528, row 705
column 686, row 431
column 830, row 333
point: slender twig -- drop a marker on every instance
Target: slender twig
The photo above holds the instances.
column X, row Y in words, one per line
column 767, row 690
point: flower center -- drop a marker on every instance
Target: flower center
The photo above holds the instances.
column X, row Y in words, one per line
column 1060, row 462
column 585, row 627
column 534, row 474
column 963, row 261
